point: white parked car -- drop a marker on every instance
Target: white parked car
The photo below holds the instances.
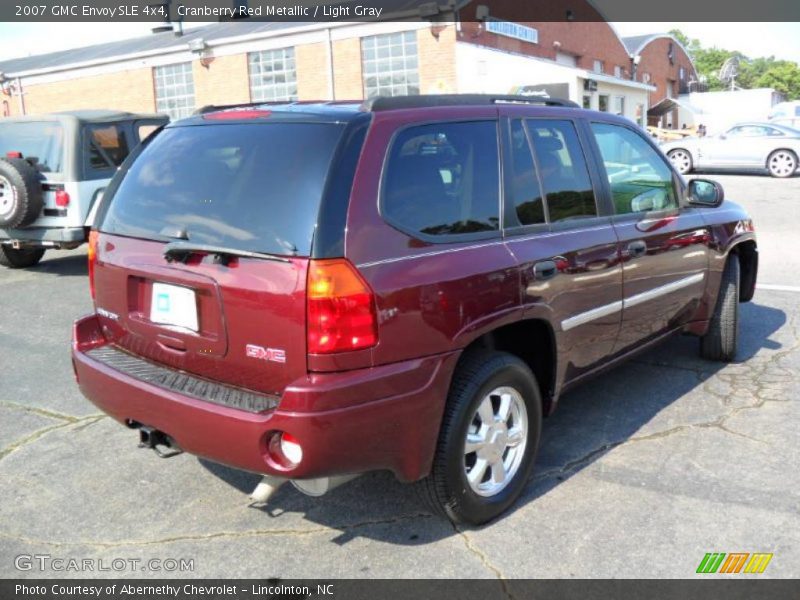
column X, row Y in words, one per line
column 743, row 147
column 53, row 169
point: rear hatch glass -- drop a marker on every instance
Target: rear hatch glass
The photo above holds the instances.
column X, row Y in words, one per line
column 42, row 140
column 251, row 190
column 251, row 187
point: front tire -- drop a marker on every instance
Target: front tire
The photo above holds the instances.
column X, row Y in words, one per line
column 722, row 339
column 782, row 163
column 681, row 160
column 20, row 259
column 488, row 439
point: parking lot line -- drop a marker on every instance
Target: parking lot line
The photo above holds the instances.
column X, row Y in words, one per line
column 778, row 288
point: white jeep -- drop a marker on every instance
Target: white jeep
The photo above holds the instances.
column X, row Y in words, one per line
column 53, row 169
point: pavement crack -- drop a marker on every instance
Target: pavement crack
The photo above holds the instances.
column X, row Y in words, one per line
column 218, row 535
column 31, row 438
column 485, row 560
column 42, row 412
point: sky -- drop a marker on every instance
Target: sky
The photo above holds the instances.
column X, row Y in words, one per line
column 753, row 39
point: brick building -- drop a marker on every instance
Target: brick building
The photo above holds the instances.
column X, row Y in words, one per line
column 661, row 61
column 236, row 62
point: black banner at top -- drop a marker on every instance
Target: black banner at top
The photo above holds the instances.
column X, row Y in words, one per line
column 392, row 10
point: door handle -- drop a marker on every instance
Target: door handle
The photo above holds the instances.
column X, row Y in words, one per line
column 637, row 248
column 545, row 270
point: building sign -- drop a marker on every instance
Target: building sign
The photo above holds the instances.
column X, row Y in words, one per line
column 544, row 90
column 513, row 30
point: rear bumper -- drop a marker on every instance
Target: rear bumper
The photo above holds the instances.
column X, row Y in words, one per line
column 382, row 418
column 50, row 236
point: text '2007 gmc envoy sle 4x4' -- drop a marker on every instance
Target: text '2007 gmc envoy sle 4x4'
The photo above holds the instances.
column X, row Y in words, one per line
column 315, row 290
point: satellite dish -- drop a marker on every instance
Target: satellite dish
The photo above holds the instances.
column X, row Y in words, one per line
column 729, row 71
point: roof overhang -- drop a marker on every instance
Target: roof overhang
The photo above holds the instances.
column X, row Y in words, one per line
column 663, row 107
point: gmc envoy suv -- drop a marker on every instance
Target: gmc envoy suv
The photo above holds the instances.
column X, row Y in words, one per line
column 315, row 290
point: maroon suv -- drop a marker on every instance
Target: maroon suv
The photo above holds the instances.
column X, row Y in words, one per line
column 311, row 291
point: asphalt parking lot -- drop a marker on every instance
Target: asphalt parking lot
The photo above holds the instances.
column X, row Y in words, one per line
column 640, row 473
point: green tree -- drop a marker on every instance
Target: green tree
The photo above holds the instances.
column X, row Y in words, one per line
column 783, row 76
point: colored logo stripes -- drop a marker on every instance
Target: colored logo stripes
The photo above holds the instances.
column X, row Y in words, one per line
column 736, row 562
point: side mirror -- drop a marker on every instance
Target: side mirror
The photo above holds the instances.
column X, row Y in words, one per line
column 706, row 193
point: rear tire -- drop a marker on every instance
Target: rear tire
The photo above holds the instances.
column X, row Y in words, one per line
column 20, row 259
column 21, row 198
column 495, row 407
column 782, row 163
column 681, row 160
column 722, row 339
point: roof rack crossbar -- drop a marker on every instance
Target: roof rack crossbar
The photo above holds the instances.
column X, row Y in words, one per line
column 381, row 103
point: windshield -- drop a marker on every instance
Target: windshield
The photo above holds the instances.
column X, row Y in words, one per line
column 253, row 187
column 42, row 140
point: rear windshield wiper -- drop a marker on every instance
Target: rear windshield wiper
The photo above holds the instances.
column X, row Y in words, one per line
column 181, row 251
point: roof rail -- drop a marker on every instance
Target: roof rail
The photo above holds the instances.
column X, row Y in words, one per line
column 214, row 108
column 430, row 100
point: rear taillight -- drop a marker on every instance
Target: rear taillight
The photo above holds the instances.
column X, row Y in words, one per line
column 341, row 308
column 13, row 154
column 62, row 198
column 92, row 254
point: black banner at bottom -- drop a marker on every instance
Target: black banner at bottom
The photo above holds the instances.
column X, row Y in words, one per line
column 404, row 589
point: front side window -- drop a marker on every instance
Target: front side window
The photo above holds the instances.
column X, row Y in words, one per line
column 174, row 90
column 640, row 179
column 443, row 179
column 390, row 64
column 273, row 75
column 562, row 167
column 108, row 146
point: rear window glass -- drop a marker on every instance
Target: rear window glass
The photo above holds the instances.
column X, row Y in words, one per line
column 108, row 146
column 254, row 187
column 444, row 179
column 42, row 140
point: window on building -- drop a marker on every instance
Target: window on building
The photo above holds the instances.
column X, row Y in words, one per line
column 390, row 64
column 524, row 190
column 444, row 178
column 639, row 177
column 640, row 115
column 587, row 102
column 108, row 146
column 273, row 75
column 681, row 73
column 564, row 58
column 174, row 90
column 617, row 71
column 602, row 102
column 598, row 66
column 562, row 167
column 619, row 105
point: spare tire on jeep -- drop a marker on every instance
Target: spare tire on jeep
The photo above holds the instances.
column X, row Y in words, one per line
column 21, row 198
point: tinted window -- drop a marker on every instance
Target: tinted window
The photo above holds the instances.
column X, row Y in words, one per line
column 562, row 169
column 43, row 140
column 640, row 179
column 108, row 146
column 250, row 187
column 524, row 190
column 444, row 178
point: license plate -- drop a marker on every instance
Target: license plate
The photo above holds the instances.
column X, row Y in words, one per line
column 174, row 305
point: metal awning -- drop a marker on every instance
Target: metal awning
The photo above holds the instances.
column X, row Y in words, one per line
column 663, row 107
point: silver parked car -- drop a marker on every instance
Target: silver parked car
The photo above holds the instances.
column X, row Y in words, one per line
column 746, row 146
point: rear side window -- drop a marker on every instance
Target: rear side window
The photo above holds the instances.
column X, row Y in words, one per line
column 562, row 169
column 43, row 140
column 443, row 179
column 254, row 187
column 524, row 190
column 108, row 146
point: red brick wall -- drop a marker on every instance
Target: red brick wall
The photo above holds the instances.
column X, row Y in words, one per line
column 655, row 62
column 586, row 40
